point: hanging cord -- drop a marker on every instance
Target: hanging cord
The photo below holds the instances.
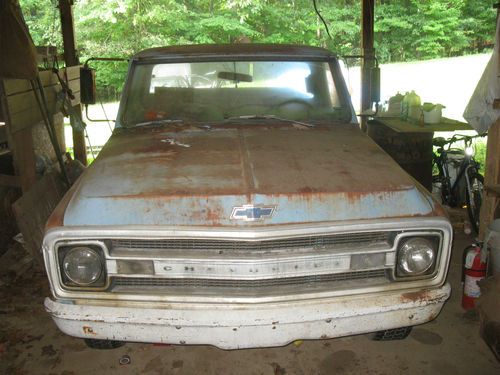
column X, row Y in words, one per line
column 49, row 125
column 321, row 18
column 106, row 116
column 90, row 145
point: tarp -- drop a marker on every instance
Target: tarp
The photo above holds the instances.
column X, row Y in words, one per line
column 480, row 113
column 17, row 51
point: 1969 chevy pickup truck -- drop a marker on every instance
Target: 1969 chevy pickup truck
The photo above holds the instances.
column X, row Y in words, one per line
column 238, row 204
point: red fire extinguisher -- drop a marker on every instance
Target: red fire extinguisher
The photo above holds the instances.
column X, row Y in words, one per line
column 474, row 270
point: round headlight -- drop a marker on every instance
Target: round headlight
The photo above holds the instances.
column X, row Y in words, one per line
column 416, row 256
column 82, row 265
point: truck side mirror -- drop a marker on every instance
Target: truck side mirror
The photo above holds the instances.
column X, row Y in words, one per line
column 375, row 84
column 87, row 86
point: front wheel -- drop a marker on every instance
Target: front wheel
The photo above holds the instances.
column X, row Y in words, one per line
column 474, row 197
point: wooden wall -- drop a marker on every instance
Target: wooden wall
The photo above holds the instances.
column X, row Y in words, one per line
column 24, row 122
column 23, row 108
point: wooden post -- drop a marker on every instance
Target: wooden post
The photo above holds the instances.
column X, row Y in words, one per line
column 71, row 59
column 491, row 198
column 489, row 208
column 368, row 51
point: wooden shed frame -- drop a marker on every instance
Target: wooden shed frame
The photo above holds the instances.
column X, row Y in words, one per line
column 490, row 209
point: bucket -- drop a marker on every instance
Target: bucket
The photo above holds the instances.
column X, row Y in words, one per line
column 432, row 113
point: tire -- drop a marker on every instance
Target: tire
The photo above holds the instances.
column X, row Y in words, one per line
column 475, row 199
column 103, row 344
column 392, row 334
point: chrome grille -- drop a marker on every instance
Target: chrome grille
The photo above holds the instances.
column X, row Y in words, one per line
column 302, row 281
column 347, row 240
column 210, row 252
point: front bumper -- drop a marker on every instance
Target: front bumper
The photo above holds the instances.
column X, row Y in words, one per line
column 234, row 326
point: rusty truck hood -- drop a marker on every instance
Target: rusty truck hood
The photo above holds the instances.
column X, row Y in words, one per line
column 196, row 177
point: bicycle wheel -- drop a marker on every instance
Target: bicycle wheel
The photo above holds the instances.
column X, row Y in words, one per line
column 475, row 199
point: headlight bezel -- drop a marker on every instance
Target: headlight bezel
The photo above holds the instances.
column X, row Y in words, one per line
column 102, row 282
column 436, row 238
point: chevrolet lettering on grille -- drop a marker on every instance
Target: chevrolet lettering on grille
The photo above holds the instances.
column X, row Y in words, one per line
column 252, row 213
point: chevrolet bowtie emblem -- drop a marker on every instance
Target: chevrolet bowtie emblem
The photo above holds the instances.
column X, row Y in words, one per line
column 252, row 213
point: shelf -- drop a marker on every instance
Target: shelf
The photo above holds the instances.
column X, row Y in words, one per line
column 403, row 126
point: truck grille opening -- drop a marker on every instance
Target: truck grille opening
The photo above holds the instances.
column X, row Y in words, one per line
column 340, row 241
column 244, row 287
column 242, row 267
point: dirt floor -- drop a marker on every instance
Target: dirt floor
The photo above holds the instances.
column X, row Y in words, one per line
column 31, row 344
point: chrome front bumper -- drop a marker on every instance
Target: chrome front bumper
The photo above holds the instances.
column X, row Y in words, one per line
column 235, row 326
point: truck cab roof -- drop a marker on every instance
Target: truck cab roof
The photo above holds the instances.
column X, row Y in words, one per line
column 239, row 51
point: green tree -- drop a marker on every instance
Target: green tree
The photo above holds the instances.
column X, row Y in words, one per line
column 438, row 30
column 404, row 29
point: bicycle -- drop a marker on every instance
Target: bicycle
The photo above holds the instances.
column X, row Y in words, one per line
column 458, row 176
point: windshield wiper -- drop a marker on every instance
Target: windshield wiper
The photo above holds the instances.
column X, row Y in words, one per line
column 269, row 117
column 156, row 122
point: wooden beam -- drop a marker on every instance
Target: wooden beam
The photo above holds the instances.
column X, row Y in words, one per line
column 491, row 179
column 493, row 188
column 68, row 32
column 10, row 181
column 19, row 86
column 71, row 59
column 21, row 100
column 491, row 197
column 368, row 51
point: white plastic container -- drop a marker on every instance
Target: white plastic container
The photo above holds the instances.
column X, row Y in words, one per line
column 432, row 113
column 394, row 106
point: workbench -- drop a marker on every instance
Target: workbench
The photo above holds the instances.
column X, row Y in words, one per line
column 408, row 126
column 410, row 144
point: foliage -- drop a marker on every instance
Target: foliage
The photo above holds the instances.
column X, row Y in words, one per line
column 404, row 29
column 480, row 153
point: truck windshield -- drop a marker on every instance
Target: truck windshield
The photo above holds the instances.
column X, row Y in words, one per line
column 223, row 91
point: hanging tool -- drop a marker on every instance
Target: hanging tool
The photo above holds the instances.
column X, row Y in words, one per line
column 41, row 100
column 65, row 96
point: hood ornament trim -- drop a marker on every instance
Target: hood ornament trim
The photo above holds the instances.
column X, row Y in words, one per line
column 250, row 212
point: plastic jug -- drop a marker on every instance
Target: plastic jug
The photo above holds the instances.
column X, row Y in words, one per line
column 411, row 106
column 394, row 106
